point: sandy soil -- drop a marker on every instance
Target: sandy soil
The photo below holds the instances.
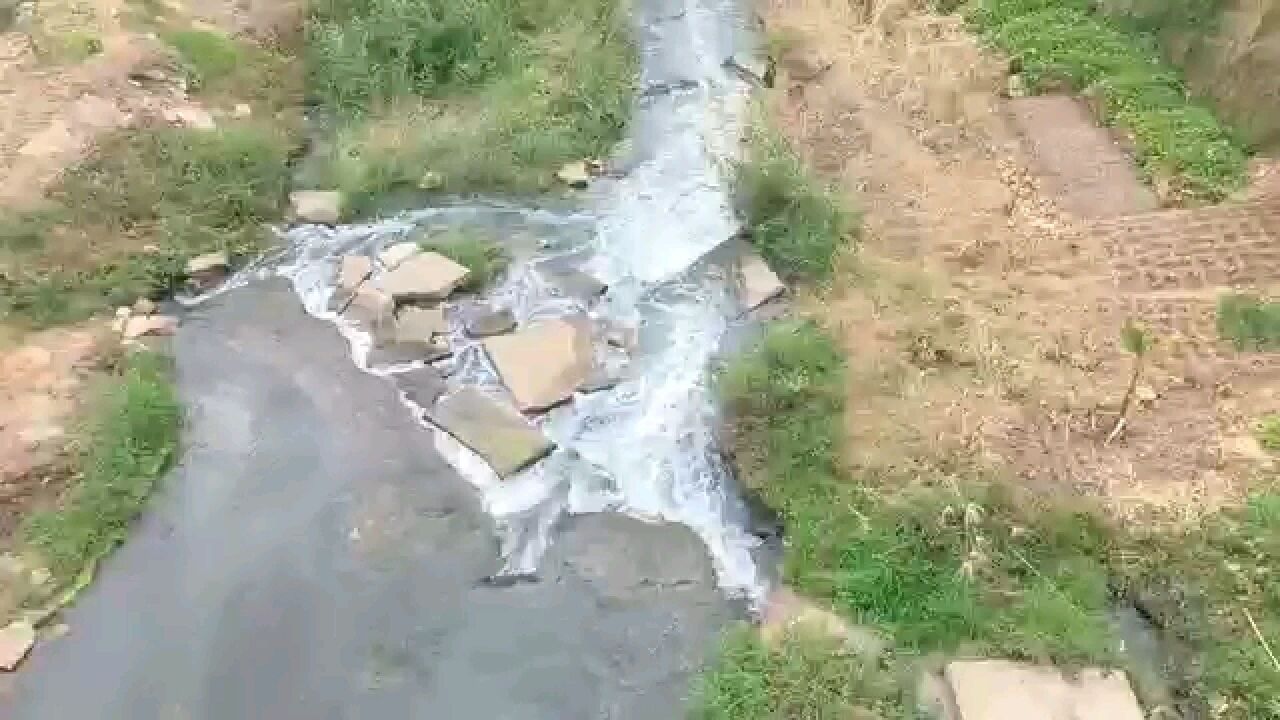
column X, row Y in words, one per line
column 982, row 318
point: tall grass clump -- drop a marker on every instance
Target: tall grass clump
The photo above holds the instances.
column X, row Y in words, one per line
column 463, row 96
column 798, row 223
column 1178, row 141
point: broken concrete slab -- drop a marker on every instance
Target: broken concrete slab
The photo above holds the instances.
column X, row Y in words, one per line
column 391, row 257
column 422, row 386
column 489, row 322
column 16, row 640
column 322, row 207
column 756, row 282
column 425, row 277
column 352, row 271
column 492, row 429
column 1007, row 690
column 544, row 363
column 410, row 351
column 572, row 282
column 420, row 323
column 371, row 310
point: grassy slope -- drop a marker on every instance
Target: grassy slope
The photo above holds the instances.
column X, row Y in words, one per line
column 463, row 97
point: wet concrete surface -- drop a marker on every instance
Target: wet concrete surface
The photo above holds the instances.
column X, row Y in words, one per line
column 313, row 558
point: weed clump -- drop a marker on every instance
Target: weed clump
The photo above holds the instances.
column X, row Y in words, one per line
column 1249, row 322
column 484, row 260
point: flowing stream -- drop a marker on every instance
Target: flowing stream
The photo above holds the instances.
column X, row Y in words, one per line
column 646, row 447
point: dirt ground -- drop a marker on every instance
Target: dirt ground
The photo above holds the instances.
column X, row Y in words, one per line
column 982, row 317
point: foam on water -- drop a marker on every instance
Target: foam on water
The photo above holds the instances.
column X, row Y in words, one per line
column 646, row 447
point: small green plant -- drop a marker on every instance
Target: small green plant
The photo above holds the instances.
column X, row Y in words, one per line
column 1267, row 431
column 1135, row 341
column 484, row 260
column 797, row 223
column 1249, row 322
column 130, row 442
column 209, row 56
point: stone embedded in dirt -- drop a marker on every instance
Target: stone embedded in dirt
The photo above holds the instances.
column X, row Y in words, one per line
column 756, row 282
column 574, row 174
column 573, row 283
column 788, row 612
column 805, row 64
column 409, row 351
column 492, row 429
column 544, row 363
column 1006, row 690
column 353, row 270
column 322, row 207
column 425, row 277
column 189, row 116
column 423, row 386
column 391, row 257
column 16, row 641
column 491, row 322
column 420, row 323
column 138, row 326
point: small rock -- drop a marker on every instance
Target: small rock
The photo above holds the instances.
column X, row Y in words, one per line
column 1015, row 87
column 788, row 612
column 144, row 306
column 189, row 116
column 491, row 322
column 58, row 630
column 492, row 429
column 426, row 277
column 353, row 270
column 423, row 386
column 1145, row 395
column 431, row 181
column 208, row 263
column 573, row 283
column 16, row 641
column 805, row 64
column 149, row 326
column 575, row 174
column 242, row 110
column 756, row 282
column 322, row 207
column 121, row 319
column 392, row 256
column 420, row 323
column 1005, row 690
column 543, row 364
column 39, row 576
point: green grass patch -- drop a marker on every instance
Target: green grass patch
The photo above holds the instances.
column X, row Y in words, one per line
column 476, row 96
column 485, row 260
column 130, row 442
column 797, row 223
column 1249, row 322
column 209, row 56
column 184, row 192
column 805, row 679
column 1177, row 139
column 1267, row 431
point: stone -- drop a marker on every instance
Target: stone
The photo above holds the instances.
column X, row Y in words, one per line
column 144, row 306
column 544, row 363
column 39, row 576
column 322, row 207
column 492, row 429
column 1007, row 690
column 391, row 257
column 216, row 262
column 138, row 326
column 401, row 353
column 788, row 612
column 1015, row 87
column 121, row 319
column 370, row 309
column 573, row 283
column 574, row 174
column 422, row 386
column 491, row 322
column 1145, row 395
column 189, row 116
column 756, row 282
column 420, row 323
column 431, row 181
column 353, row 270
column 16, row 641
column 241, row 111
column 425, row 277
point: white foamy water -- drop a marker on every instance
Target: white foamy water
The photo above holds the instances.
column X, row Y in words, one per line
column 646, row 447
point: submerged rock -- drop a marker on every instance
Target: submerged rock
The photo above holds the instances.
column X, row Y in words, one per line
column 493, row 430
column 757, row 284
column 544, row 363
column 16, row 641
column 1007, row 690
column 491, row 322
column 425, row 277
column 322, row 207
